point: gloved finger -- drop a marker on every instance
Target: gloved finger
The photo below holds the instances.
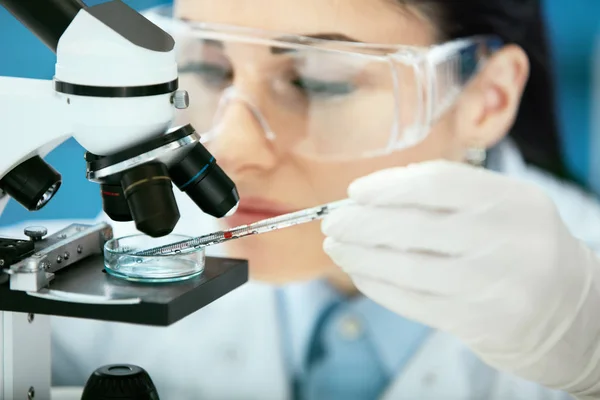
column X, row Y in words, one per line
column 439, row 276
column 409, row 229
column 438, row 185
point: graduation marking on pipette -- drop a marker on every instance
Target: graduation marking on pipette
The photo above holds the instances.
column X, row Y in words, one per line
column 267, row 225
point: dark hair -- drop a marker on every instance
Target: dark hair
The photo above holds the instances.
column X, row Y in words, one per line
column 519, row 22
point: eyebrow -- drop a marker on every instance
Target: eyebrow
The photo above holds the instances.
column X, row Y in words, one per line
column 340, row 37
column 333, row 36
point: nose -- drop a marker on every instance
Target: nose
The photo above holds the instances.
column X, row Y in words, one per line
column 241, row 139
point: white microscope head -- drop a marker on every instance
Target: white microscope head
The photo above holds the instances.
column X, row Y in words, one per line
column 115, row 91
column 118, row 73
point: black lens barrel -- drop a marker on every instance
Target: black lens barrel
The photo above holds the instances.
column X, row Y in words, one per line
column 33, row 183
column 114, row 203
column 199, row 176
column 150, row 197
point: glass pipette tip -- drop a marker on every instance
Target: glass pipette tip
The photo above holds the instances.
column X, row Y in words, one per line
column 267, row 225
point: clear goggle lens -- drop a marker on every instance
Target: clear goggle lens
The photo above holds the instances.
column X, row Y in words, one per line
column 320, row 98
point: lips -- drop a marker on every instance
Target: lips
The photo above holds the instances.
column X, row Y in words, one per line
column 255, row 209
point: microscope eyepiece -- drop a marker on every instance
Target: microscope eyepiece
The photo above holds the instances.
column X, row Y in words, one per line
column 199, row 176
column 149, row 194
column 33, row 183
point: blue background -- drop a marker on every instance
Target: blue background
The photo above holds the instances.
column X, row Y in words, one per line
column 573, row 27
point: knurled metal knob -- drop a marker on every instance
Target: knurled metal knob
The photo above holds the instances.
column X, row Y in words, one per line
column 35, row 233
column 114, row 382
column 181, row 99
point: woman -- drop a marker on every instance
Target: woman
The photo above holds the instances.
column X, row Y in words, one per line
column 296, row 101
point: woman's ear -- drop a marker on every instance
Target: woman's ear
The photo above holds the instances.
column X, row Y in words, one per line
column 489, row 105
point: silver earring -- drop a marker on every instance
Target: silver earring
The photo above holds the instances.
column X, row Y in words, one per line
column 476, row 156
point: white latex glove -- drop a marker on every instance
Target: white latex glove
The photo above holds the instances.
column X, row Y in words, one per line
column 483, row 257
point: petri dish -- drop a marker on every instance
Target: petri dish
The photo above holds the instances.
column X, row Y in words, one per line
column 120, row 260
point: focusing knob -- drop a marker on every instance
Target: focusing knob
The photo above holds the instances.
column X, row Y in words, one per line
column 35, row 233
column 181, row 99
column 119, row 381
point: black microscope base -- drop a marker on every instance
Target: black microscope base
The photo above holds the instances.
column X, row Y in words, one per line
column 161, row 304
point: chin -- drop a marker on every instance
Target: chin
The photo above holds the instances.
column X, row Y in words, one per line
column 290, row 255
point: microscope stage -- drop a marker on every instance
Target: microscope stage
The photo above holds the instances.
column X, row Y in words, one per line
column 160, row 304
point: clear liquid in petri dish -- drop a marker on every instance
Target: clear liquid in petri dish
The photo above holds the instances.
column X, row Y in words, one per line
column 120, row 260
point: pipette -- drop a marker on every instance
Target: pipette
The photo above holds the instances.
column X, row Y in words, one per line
column 266, row 225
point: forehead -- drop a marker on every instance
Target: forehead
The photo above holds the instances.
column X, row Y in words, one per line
column 371, row 21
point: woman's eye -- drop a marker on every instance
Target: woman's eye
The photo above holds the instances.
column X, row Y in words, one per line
column 211, row 73
column 317, row 88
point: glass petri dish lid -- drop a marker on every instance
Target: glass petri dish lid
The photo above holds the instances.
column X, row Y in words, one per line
column 121, row 261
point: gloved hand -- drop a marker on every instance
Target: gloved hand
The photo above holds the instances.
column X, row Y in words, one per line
column 483, row 257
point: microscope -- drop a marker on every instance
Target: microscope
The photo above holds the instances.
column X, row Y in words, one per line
column 115, row 91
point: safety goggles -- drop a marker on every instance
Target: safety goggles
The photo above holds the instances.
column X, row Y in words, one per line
column 322, row 99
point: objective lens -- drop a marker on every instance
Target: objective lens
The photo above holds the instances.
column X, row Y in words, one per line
column 149, row 193
column 199, row 176
column 33, row 183
column 114, row 203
